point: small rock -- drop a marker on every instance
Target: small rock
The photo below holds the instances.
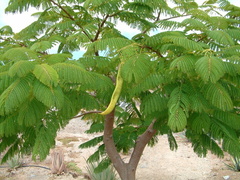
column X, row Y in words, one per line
column 226, row 177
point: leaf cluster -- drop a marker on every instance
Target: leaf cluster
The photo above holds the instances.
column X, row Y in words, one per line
column 180, row 68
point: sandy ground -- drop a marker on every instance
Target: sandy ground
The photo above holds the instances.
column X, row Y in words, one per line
column 157, row 163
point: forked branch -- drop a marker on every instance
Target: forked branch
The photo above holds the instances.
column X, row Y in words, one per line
column 140, row 144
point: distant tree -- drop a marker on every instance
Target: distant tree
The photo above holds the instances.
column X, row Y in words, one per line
column 185, row 77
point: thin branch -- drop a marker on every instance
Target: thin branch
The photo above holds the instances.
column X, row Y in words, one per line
column 183, row 15
column 99, row 31
column 158, row 17
column 115, row 13
column 70, row 17
column 58, row 5
column 85, row 113
column 150, row 48
column 201, row 38
column 100, row 27
column 9, row 40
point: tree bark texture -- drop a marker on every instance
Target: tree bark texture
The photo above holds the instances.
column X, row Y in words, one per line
column 126, row 171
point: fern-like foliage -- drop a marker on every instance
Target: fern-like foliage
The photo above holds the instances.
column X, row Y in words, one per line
column 21, row 68
column 20, row 53
column 178, row 105
column 155, row 102
column 135, row 68
column 210, row 68
column 218, row 96
column 46, row 74
column 14, row 96
column 180, row 68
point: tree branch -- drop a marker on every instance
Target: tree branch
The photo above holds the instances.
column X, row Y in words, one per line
column 158, row 18
column 150, row 48
column 110, row 145
column 70, row 17
column 140, row 144
column 9, row 40
column 183, row 15
column 85, row 113
column 99, row 31
column 100, row 27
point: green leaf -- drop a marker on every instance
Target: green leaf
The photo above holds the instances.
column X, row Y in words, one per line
column 169, row 25
column 136, row 68
column 41, row 46
column 20, row 53
column 44, row 141
column 221, row 37
column 201, row 124
column 21, row 68
column 30, row 113
column 46, row 74
column 177, row 119
column 210, row 68
column 57, row 58
column 14, row 96
column 178, row 105
column 91, row 143
column 155, row 102
column 201, row 143
column 231, row 119
column 6, row 30
column 193, row 24
column 178, row 98
column 8, row 126
column 184, row 63
column 50, row 97
column 217, row 96
column 150, row 82
column 73, row 73
column 5, row 81
column 219, row 127
column 11, row 149
column 197, row 100
column 183, row 42
column 172, row 141
column 109, row 44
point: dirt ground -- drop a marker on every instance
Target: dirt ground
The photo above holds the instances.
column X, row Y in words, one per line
column 157, row 163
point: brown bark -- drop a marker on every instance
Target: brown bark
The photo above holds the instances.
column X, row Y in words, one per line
column 110, row 146
column 126, row 171
column 140, row 144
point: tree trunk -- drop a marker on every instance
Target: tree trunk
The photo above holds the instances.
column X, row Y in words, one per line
column 126, row 171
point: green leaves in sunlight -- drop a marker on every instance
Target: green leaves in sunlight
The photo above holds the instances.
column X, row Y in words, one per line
column 46, row 74
column 14, row 96
column 180, row 68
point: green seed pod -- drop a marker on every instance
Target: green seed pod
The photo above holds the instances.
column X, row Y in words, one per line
column 116, row 93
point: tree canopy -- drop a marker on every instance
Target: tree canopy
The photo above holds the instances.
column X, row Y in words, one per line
column 180, row 71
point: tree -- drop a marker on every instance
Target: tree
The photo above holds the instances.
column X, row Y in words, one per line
column 185, row 77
